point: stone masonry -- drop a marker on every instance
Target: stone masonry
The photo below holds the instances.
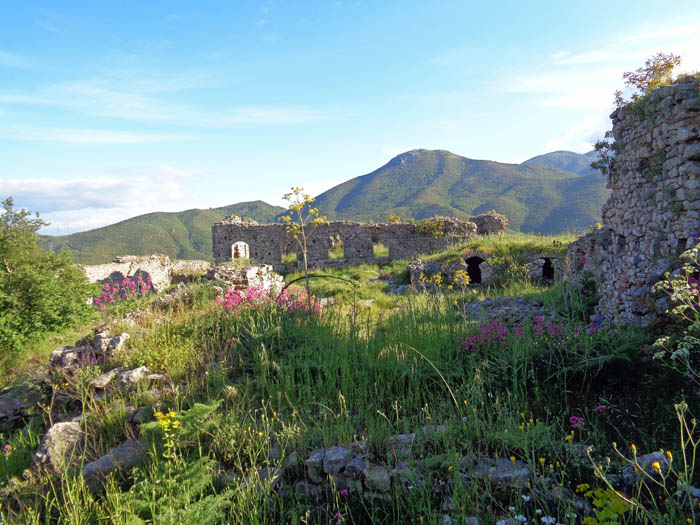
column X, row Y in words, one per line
column 161, row 269
column 653, row 213
column 267, row 242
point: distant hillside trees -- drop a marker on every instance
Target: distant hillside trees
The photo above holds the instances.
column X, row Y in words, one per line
column 40, row 291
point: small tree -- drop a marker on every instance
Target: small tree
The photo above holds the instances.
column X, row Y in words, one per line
column 606, row 152
column 657, row 72
column 39, row 290
column 301, row 222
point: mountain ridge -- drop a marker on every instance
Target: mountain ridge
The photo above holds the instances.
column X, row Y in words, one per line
column 537, row 196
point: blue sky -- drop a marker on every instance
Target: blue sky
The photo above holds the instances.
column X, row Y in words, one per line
column 113, row 109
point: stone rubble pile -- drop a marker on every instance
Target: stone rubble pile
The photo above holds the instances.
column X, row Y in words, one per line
column 490, row 223
column 242, row 277
column 508, row 310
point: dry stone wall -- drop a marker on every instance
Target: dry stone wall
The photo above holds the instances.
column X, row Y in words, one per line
column 266, row 243
column 161, row 269
column 653, row 213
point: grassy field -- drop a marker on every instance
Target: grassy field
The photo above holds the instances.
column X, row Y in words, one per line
column 256, row 389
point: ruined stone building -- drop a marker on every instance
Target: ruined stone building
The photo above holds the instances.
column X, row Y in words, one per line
column 237, row 238
column 653, row 213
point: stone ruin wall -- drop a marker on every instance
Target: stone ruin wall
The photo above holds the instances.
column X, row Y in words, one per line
column 162, row 270
column 267, row 242
column 653, row 213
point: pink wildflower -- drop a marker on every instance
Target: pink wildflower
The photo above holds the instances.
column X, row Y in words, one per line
column 576, row 422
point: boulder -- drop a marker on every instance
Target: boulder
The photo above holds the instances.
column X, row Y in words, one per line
column 356, row 468
column 309, row 491
column 130, row 378
column 117, row 343
column 335, row 459
column 143, row 415
column 14, row 405
column 173, row 295
column 502, row 471
column 59, row 448
column 314, row 465
column 119, row 459
column 630, row 476
column 378, row 478
column 101, row 382
column 510, row 310
column 68, row 356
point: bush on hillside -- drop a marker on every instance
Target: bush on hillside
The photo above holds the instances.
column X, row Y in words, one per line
column 40, row 291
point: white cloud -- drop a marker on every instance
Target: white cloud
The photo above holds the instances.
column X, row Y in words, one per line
column 580, row 135
column 581, row 82
column 87, row 136
column 586, row 79
column 84, row 203
column 123, row 97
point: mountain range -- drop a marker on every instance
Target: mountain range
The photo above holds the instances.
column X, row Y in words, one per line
column 552, row 193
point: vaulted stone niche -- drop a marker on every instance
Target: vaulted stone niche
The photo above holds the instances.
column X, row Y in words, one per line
column 547, row 269
column 474, row 269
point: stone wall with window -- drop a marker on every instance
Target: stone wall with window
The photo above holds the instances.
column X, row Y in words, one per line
column 266, row 243
column 653, row 212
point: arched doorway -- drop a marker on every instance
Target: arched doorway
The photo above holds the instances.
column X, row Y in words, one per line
column 547, row 269
column 240, row 250
column 473, row 269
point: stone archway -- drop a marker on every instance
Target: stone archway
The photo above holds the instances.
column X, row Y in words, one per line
column 240, row 250
column 474, row 269
column 547, row 269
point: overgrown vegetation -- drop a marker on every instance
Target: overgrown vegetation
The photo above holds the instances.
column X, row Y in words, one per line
column 40, row 291
column 257, row 380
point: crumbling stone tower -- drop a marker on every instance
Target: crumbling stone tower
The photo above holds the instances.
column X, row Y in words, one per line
column 653, row 213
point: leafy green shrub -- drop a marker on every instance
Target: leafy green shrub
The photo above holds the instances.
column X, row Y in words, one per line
column 679, row 349
column 40, row 291
column 433, row 226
